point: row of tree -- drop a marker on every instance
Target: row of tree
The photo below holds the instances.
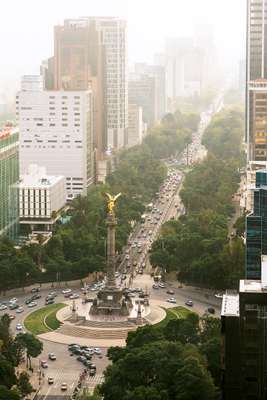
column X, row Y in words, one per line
column 78, row 247
column 180, row 361
column 15, row 385
column 197, row 246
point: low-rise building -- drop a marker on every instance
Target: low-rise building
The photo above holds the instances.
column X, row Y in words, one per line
column 135, row 125
column 41, row 197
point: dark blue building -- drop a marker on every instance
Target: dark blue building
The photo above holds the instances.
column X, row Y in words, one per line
column 256, row 228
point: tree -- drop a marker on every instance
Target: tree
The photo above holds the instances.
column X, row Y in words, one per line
column 7, row 374
column 32, row 345
column 6, row 394
column 23, row 384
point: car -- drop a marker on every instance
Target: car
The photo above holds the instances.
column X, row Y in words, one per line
column 135, row 263
column 19, row 310
column 13, row 300
column 97, row 350
column 13, row 306
column 139, row 244
column 35, row 290
column 127, row 257
column 87, row 355
column 127, row 251
column 88, row 363
column 170, row 291
column 171, row 300
column 133, row 245
column 81, row 358
column 32, row 304
column 64, row 291
column 211, row 310
column 162, row 285
column 139, row 251
column 49, row 301
column 92, row 371
column 143, row 265
column 189, row 303
column 44, row 364
column 19, row 327
column 72, row 345
column 154, row 286
column 11, row 316
column 64, row 386
column 54, row 294
column 52, row 356
column 67, row 295
column 140, row 271
column 3, row 307
column 74, row 296
column 50, row 380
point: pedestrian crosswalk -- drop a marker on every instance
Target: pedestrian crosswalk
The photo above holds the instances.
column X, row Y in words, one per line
column 92, row 381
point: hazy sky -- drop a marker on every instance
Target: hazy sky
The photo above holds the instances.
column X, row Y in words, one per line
column 26, row 28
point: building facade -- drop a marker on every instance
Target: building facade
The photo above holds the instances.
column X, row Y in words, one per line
column 143, row 92
column 9, row 175
column 244, row 346
column 256, row 228
column 41, row 197
column 56, row 131
column 256, row 134
column 91, row 52
column 135, row 125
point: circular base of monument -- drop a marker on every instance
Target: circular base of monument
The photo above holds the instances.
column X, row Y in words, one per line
column 100, row 328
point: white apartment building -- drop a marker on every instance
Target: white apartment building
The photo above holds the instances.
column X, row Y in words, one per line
column 135, row 125
column 41, row 196
column 113, row 32
column 56, row 131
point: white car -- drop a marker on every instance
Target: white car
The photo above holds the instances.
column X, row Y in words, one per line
column 171, row 300
column 162, row 285
column 19, row 327
column 19, row 310
column 13, row 300
column 64, row 386
column 127, row 257
column 97, row 350
column 65, row 291
column 3, row 307
column 74, row 296
column 32, row 304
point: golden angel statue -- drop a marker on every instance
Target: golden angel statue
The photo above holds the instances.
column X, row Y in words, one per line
column 111, row 201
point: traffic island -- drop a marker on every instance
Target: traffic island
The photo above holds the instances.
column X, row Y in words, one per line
column 43, row 320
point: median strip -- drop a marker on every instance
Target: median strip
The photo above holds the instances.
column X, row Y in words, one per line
column 43, row 320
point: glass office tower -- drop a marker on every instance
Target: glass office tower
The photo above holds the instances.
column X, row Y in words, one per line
column 9, row 175
column 256, row 243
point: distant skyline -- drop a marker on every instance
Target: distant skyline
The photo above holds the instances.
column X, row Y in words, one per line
column 26, row 28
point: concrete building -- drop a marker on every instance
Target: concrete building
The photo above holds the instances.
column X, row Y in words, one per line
column 91, row 52
column 135, row 128
column 143, row 92
column 9, row 175
column 41, row 197
column 244, row 346
column 256, row 134
column 56, row 131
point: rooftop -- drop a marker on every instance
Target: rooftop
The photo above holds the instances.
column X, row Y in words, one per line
column 252, row 286
column 230, row 305
column 37, row 178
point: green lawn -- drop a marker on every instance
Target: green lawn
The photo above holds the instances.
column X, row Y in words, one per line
column 173, row 313
column 43, row 320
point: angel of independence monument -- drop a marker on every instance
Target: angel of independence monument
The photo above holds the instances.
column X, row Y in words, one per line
column 110, row 299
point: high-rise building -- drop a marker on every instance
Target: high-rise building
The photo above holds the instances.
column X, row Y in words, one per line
column 143, row 92
column 157, row 72
column 135, row 125
column 244, row 346
column 256, row 228
column 91, row 52
column 256, row 84
column 56, row 132
column 9, row 175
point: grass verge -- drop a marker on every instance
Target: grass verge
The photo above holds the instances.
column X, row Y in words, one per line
column 43, row 320
column 173, row 313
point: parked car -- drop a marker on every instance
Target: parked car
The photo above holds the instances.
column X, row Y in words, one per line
column 170, row 291
column 3, row 307
column 50, row 380
column 32, row 304
column 74, row 296
column 19, row 310
column 13, row 306
column 49, row 301
column 35, row 290
column 64, row 291
column 19, row 327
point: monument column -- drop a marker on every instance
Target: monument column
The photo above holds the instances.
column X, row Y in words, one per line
column 111, row 251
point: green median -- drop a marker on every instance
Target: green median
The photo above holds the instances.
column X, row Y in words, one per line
column 43, row 320
column 173, row 313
